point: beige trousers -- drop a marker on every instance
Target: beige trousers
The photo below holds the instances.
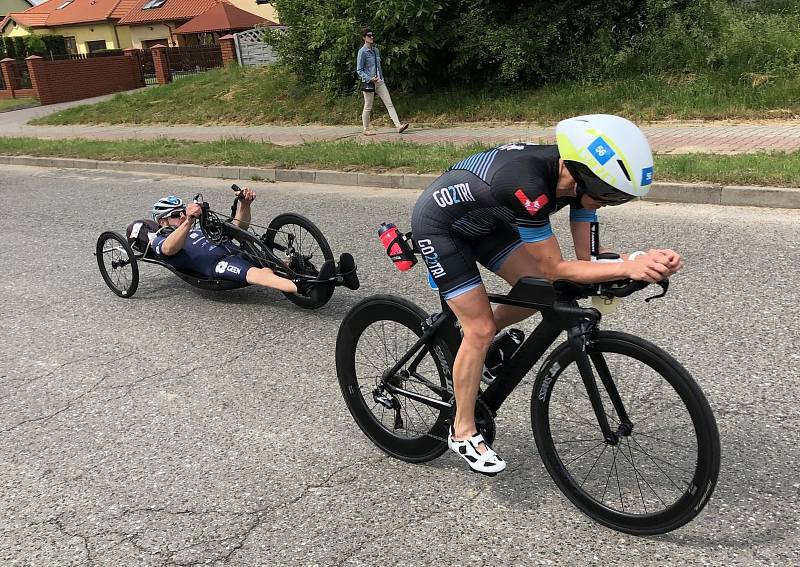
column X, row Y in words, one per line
column 369, row 97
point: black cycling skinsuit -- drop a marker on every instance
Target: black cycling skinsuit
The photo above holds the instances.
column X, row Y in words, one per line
column 224, row 261
column 486, row 206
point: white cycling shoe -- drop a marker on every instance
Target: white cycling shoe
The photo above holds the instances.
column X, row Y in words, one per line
column 488, row 463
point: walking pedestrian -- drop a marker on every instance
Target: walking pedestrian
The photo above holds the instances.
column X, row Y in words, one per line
column 368, row 67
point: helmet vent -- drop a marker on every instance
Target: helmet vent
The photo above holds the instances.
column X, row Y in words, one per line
column 622, row 167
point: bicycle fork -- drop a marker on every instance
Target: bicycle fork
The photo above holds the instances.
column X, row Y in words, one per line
column 577, row 338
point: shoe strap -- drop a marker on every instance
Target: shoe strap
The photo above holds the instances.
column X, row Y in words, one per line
column 477, row 439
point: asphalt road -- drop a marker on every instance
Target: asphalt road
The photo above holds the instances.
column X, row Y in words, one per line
column 188, row 427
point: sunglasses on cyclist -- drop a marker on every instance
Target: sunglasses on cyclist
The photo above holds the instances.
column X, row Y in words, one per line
column 596, row 188
column 370, row 35
column 174, row 214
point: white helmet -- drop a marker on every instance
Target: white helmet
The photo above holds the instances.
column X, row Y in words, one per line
column 607, row 155
column 166, row 205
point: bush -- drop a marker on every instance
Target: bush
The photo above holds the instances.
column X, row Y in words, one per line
column 34, row 45
column 20, row 48
column 506, row 44
column 323, row 37
column 55, row 45
column 10, row 49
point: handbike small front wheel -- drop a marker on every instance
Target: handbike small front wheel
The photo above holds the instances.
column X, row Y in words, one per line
column 117, row 264
column 373, row 336
column 305, row 248
column 661, row 467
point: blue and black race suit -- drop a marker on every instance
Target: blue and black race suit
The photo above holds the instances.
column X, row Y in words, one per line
column 199, row 255
column 483, row 208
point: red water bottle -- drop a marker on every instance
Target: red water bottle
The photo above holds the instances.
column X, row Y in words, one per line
column 393, row 240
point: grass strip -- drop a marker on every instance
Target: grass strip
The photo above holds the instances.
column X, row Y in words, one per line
column 268, row 95
column 772, row 169
column 14, row 103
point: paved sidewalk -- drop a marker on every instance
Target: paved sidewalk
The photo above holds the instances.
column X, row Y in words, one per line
column 669, row 137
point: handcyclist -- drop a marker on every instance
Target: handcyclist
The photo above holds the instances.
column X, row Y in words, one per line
column 494, row 208
column 185, row 247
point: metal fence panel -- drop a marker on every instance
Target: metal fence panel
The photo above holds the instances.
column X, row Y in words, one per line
column 190, row 60
column 22, row 77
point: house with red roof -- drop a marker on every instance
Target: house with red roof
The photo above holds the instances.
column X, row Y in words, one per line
column 93, row 25
column 87, row 25
column 186, row 22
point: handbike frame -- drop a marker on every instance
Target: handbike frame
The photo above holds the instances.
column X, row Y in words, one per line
column 255, row 248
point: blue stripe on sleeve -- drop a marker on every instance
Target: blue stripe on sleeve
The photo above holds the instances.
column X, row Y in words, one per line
column 583, row 215
column 535, row 234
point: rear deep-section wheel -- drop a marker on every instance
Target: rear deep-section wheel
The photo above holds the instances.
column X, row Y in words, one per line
column 373, row 336
column 303, row 246
column 117, row 264
column 661, row 467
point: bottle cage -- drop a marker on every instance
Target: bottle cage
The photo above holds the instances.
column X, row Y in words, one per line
column 408, row 249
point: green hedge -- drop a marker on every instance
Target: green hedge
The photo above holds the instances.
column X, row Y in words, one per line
column 508, row 44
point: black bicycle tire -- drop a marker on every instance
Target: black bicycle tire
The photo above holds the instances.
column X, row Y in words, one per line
column 706, row 473
column 128, row 292
column 299, row 220
column 364, row 313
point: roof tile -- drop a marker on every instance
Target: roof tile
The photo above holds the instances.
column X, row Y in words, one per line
column 172, row 10
column 74, row 12
column 222, row 17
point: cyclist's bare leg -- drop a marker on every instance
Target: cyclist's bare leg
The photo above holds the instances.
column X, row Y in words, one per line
column 517, row 265
column 475, row 315
column 267, row 278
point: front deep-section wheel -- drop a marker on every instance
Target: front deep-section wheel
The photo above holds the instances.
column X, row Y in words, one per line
column 302, row 244
column 117, row 264
column 656, row 475
column 373, row 336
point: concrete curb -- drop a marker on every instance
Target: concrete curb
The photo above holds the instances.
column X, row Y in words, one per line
column 696, row 193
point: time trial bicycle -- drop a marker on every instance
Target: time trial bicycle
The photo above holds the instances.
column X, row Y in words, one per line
column 637, row 450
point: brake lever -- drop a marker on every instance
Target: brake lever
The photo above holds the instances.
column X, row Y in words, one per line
column 664, row 285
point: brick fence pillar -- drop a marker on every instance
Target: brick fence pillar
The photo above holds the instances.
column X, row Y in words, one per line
column 227, row 44
column 7, row 68
column 136, row 63
column 161, row 64
column 41, row 84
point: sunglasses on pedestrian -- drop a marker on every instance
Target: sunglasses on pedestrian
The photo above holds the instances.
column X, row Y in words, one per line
column 370, row 35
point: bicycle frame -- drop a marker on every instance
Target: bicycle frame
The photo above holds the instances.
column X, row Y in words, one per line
column 560, row 312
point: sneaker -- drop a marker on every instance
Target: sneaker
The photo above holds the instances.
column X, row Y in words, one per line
column 487, row 463
column 402, row 128
column 369, row 132
column 503, row 347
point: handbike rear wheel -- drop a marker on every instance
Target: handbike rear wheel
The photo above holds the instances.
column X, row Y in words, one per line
column 373, row 336
column 117, row 264
column 305, row 248
column 661, row 474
